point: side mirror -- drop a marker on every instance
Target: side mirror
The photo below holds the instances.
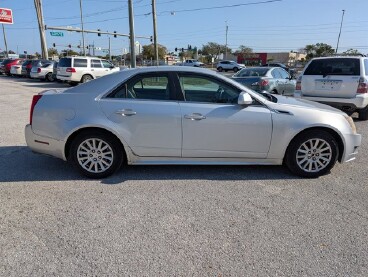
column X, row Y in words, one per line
column 245, row 99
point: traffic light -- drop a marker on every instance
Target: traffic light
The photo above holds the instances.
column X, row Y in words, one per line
column 99, row 34
column 54, row 45
column 176, row 49
column 151, row 38
column 189, row 47
column 70, row 46
column 115, row 34
column 182, row 49
column 87, row 46
column 78, row 46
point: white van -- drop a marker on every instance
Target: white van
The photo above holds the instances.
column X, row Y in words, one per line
column 341, row 82
column 83, row 69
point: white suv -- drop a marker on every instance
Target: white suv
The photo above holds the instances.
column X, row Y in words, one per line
column 83, row 69
column 341, row 82
column 229, row 65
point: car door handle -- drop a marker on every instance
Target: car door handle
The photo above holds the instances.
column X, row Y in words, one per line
column 126, row 112
column 194, row 116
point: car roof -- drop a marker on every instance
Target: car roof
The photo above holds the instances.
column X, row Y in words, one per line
column 339, row 57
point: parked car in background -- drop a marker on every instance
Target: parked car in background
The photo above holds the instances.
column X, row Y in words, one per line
column 44, row 72
column 191, row 62
column 341, row 82
column 27, row 67
column 177, row 115
column 76, row 70
column 271, row 79
column 6, row 65
column 16, row 70
column 291, row 71
column 229, row 65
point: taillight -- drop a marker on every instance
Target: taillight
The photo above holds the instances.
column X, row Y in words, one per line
column 38, row 70
column 263, row 83
column 70, row 69
column 299, row 84
column 362, row 86
column 34, row 102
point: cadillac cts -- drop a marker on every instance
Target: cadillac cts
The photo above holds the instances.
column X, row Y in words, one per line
column 181, row 115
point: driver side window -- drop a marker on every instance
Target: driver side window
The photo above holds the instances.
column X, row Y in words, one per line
column 208, row 90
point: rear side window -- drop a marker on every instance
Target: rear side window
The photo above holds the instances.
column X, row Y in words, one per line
column 366, row 67
column 80, row 62
column 341, row 66
column 65, row 62
column 95, row 63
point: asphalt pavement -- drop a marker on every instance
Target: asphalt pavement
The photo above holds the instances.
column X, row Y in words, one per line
column 173, row 220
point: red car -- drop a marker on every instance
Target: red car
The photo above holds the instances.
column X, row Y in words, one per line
column 6, row 65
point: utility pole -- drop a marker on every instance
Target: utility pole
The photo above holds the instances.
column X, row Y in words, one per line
column 227, row 29
column 338, row 39
column 6, row 44
column 155, row 31
column 41, row 27
column 110, row 48
column 131, row 35
column 81, row 16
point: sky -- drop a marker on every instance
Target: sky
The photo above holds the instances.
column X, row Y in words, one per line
column 263, row 25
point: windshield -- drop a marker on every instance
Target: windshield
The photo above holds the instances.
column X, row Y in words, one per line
column 252, row 72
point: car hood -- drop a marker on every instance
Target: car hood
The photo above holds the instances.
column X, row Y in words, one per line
column 302, row 103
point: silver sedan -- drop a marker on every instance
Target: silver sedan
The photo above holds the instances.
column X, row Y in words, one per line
column 180, row 115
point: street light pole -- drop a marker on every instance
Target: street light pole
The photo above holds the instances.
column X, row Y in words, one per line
column 6, row 44
column 131, row 35
column 227, row 29
column 155, row 31
column 81, row 16
column 338, row 39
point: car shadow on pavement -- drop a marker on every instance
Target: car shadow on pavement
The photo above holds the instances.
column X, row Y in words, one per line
column 19, row 164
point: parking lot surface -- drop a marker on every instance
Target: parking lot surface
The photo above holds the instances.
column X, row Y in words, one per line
column 173, row 220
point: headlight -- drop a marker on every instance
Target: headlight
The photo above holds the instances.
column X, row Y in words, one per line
column 351, row 123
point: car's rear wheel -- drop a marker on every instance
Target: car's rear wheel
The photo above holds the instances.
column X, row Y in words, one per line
column 363, row 114
column 274, row 91
column 86, row 78
column 219, row 69
column 50, row 77
column 312, row 153
column 96, row 154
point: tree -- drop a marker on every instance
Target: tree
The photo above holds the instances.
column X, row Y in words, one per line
column 148, row 51
column 11, row 52
column 37, row 55
column 69, row 52
column 318, row 50
column 352, row 52
column 213, row 49
column 244, row 51
column 53, row 52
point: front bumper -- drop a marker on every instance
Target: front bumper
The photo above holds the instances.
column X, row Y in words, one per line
column 44, row 145
column 352, row 143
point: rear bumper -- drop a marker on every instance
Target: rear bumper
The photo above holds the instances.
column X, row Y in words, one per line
column 352, row 143
column 36, row 75
column 66, row 78
column 358, row 102
column 44, row 145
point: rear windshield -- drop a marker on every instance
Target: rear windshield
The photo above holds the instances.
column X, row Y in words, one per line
column 341, row 66
column 7, row 61
column 80, row 63
column 26, row 62
column 252, row 72
column 65, row 62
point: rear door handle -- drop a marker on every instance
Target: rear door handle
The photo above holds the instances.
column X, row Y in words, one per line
column 126, row 112
column 194, row 116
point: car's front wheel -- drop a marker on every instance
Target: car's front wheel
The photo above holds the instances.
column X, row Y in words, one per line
column 312, row 153
column 96, row 154
column 219, row 69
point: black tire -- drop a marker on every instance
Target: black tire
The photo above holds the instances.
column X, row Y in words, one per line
column 363, row 114
column 305, row 137
column 114, row 160
column 274, row 92
column 86, row 78
column 235, row 69
column 219, row 69
column 49, row 77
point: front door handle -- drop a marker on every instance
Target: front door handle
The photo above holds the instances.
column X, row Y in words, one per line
column 194, row 116
column 126, row 112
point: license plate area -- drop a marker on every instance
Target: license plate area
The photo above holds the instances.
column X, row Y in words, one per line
column 328, row 84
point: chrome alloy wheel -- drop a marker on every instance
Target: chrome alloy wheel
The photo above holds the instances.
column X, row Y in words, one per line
column 314, row 155
column 95, row 155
